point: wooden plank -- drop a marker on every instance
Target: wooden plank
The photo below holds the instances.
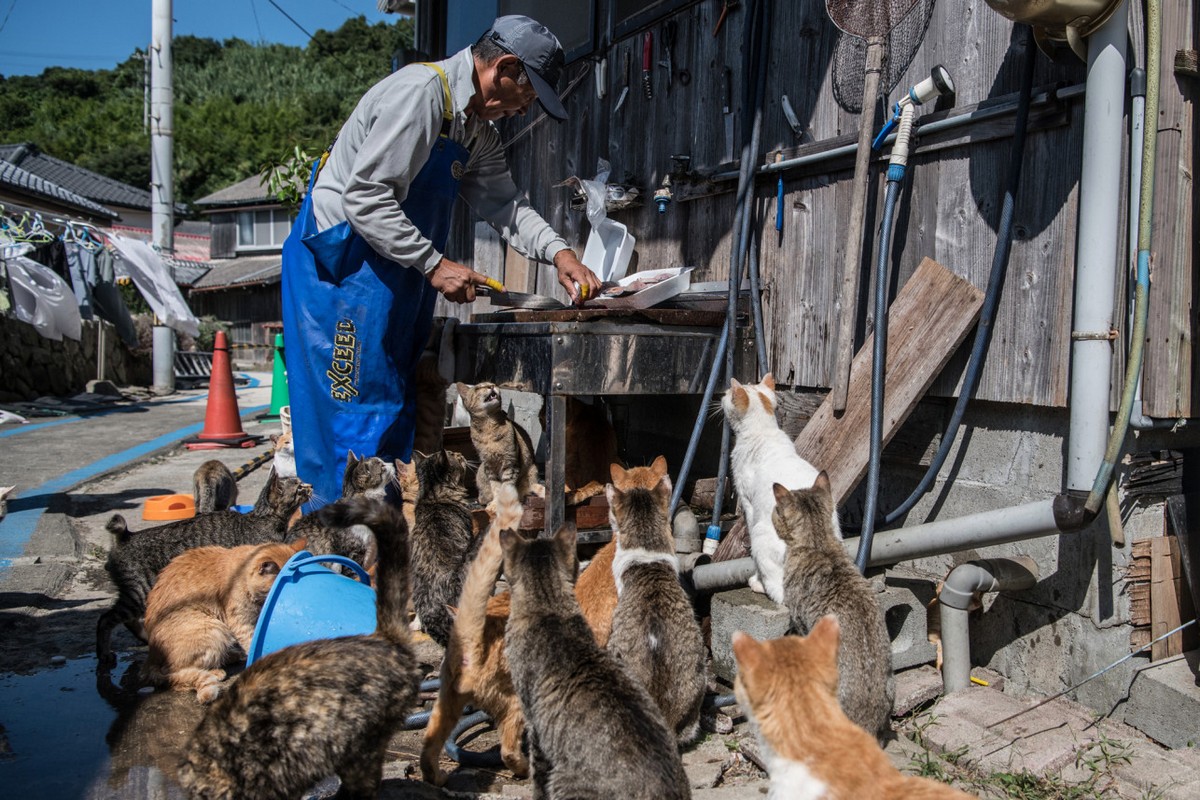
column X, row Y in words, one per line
column 928, row 320
column 1164, row 597
column 660, row 316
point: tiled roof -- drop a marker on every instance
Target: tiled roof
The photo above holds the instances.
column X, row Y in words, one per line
column 187, row 273
column 245, row 192
column 22, row 179
column 79, row 180
column 243, row 271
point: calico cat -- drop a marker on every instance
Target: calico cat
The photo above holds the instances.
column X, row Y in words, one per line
column 203, row 608
column 363, row 477
column 505, row 449
column 654, row 630
column 319, row 707
column 136, row 559
column 475, row 669
column 763, row 454
column 820, row 579
column 594, row 731
column 213, row 487
column 788, row 687
column 442, row 541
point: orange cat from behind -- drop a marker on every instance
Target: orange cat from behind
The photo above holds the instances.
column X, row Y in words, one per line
column 203, row 608
column 475, row 669
column 788, row 687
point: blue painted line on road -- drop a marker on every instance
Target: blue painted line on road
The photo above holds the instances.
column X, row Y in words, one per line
column 17, row 528
column 253, row 383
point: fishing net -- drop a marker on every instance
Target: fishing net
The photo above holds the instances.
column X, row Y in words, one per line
column 902, row 22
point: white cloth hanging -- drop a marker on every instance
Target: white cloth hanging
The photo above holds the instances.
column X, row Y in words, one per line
column 150, row 276
column 43, row 300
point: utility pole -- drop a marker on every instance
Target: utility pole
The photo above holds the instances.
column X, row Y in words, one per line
column 162, row 182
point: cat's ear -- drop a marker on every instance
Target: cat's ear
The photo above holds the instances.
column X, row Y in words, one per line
column 741, row 399
column 746, row 650
column 268, row 567
column 299, row 544
column 418, row 457
column 464, row 389
column 453, row 611
column 617, row 473
column 610, row 493
column 350, row 457
column 782, row 493
column 659, row 467
column 822, row 482
column 768, row 381
column 509, row 540
column 565, row 542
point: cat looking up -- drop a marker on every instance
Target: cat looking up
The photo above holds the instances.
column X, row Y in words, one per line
column 654, row 630
column 788, row 688
column 819, row 579
column 504, row 447
column 763, row 455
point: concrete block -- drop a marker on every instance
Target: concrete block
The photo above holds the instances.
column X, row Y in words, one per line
column 962, row 735
column 903, row 602
column 1154, row 771
column 1164, row 702
column 915, row 688
column 742, row 610
column 704, row 762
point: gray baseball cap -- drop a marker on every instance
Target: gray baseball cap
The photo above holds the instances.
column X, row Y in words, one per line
column 540, row 52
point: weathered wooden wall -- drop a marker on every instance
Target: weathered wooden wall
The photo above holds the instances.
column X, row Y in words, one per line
column 949, row 210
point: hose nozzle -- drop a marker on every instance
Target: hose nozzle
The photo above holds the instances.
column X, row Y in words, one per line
column 938, row 83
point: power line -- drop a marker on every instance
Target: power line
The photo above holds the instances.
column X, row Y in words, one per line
column 254, row 10
column 309, row 35
column 9, row 14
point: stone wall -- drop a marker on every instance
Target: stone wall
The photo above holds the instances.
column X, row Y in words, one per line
column 31, row 366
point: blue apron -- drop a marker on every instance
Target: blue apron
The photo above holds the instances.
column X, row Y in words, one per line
column 355, row 324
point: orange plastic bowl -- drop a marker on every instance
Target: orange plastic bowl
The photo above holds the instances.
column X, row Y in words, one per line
column 169, row 506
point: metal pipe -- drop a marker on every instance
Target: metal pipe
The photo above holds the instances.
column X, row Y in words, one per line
column 958, row 591
column 1096, row 252
column 722, row 575
column 949, row 123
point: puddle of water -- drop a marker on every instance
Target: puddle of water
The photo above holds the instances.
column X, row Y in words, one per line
column 68, row 742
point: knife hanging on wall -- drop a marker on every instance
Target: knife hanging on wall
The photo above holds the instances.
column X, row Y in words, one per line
column 647, row 65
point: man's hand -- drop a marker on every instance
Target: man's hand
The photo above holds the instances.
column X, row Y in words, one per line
column 456, row 282
column 571, row 272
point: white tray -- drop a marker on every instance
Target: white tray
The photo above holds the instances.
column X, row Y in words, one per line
column 651, row 295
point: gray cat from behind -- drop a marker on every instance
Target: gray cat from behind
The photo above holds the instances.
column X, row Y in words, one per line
column 818, row 579
column 213, row 487
column 594, row 731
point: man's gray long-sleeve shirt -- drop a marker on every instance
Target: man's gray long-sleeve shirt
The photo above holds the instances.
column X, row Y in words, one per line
column 386, row 142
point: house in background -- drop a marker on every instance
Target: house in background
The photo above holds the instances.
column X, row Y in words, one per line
column 22, row 190
column 248, row 227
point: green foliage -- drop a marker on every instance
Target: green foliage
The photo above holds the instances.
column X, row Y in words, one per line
column 288, row 179
column 238, row 105
column 209, row 325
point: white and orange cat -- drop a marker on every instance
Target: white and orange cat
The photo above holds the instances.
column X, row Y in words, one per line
column 201, row 613
column 788, row 688
column 763, row 455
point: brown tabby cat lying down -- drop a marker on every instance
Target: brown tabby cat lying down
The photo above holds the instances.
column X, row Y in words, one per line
column 788, row 687
column 475, row 669
column 203, row 608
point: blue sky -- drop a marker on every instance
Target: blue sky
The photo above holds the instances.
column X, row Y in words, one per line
column 98, row 34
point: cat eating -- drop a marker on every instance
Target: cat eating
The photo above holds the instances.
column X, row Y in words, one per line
column 203, row 608
column 504, row 447
column 762, row 455
column 788, row 687
column 820, row 579
column 321, row 707
column 136, row 559
column 654, row 630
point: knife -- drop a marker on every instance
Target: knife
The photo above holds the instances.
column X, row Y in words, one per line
column 647, row 64
column 728, row 111
column 624, row 83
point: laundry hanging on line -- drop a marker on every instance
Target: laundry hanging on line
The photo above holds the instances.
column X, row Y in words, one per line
column 43, row 299
column 150, row 276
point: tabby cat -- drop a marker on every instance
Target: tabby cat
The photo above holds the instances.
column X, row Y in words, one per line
column 820, row 579
column 363, row 477
column 136, row 559
column 594, row 732
column 504, row 447
column 319, row 707
column 655, row 634
column 763, row 454
column 442, row 541
column 788, row 687
column 203, row 608
column 213, row 487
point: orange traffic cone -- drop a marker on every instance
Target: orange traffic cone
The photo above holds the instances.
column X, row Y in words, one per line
column 222, row 420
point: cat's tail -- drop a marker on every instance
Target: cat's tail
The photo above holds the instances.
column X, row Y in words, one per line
column 391, row 537
column 119, row 528
column 481, row 575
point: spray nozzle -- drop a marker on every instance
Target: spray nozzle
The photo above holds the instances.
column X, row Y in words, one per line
column 938, row 83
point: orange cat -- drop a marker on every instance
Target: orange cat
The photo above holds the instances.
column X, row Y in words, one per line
column 591, row 448
column 202, row 608
column 788, row 687
column 475, row 669
column 596, row 591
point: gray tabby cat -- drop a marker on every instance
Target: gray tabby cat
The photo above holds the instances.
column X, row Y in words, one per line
column 136, row 558
column 593, row 730
column 213, row 487
column 442, row 541
column 316, row 708
column 505, row 449
column 364, row 477
column 819, row 579
column 654, row 630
